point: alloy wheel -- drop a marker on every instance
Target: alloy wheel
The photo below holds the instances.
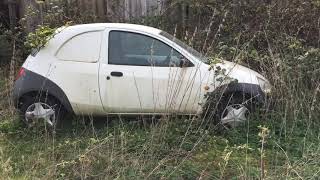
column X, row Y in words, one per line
column 234, row 115
column 40, row 111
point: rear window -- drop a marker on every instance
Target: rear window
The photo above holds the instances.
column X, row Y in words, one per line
column 83, row 48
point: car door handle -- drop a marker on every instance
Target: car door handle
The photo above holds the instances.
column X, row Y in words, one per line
column 116, row 74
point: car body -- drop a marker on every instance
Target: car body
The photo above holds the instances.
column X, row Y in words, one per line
column 114, row 68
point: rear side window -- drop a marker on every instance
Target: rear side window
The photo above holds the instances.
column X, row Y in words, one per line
column 82, row 48
column 133, row 49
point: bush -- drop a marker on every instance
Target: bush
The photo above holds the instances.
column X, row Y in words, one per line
column 5, row 50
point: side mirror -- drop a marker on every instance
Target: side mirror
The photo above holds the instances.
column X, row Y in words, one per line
column 185, row 62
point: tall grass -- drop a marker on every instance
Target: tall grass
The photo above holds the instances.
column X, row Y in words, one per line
column 281, row 142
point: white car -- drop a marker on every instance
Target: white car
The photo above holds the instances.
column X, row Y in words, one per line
column 110, row 68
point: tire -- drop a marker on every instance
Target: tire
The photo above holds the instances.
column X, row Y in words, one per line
column 27, row 102
column 218, row 107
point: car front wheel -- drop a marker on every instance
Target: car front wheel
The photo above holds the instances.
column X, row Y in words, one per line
column 229, row 111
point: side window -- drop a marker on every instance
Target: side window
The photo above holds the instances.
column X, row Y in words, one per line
column 83, row 48
column 126, row 48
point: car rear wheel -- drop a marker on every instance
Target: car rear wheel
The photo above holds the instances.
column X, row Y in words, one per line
column 41, row 112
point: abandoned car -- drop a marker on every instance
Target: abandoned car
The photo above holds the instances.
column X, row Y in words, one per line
column 113, row 68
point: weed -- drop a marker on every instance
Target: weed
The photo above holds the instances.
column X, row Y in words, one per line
column 276, row 38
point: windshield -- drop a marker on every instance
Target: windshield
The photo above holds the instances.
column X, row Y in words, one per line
column 192, row 51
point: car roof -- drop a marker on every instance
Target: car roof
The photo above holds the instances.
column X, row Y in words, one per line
column 101, row 26
column 64, row 33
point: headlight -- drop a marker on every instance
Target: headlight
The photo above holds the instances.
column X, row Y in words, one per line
column 264, row 84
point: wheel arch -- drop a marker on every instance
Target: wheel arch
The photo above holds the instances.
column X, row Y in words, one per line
column 220, row 94
column 248, row 90
column 33, row 84
column 38, row 95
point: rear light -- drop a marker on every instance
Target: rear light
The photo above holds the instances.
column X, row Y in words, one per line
column 21, row 73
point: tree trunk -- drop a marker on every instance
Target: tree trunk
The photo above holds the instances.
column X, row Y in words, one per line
column 12, row 13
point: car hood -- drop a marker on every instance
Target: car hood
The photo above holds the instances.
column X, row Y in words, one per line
column 240, row 73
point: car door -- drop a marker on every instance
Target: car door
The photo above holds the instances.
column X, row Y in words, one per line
column 140, row 74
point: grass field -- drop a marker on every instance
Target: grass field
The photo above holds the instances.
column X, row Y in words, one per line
column 270, row 146
column 279, row 39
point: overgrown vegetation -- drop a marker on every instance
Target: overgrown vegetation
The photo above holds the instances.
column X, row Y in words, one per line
column 40, row 37
column 280, row 39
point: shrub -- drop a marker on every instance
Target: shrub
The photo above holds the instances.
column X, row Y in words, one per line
column 5, row 50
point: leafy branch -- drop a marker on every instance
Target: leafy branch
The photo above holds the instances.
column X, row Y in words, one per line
column 39, row 38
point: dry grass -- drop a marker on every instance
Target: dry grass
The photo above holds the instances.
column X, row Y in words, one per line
column 170, row 148
column 282, row 143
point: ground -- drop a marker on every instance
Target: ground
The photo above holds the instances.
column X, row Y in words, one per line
column 170, row 148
